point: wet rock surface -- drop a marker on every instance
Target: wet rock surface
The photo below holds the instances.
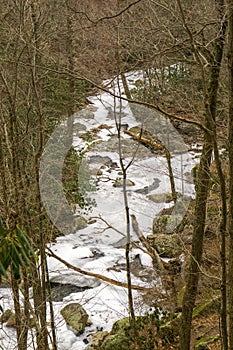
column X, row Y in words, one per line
column 61, row 290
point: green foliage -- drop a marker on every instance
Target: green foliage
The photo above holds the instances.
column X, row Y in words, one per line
column 15, row 251
column 88, row 136
column 57, row 95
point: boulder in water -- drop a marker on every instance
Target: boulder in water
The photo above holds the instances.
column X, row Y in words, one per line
column 119, row 182
column 75, row 317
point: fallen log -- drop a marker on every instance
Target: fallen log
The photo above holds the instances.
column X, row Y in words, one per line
column 150, row 142
column 154, row 144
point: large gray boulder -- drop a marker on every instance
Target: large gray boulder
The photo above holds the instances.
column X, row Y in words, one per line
column 75, row 317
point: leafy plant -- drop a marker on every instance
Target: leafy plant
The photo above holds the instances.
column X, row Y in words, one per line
column 15, row 251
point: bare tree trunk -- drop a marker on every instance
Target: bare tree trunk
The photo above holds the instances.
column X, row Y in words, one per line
column 21, row 336
column 70, row 57
column 210, row 92
column 171, row 175
column 124, row 169
column 40, row 283
column 223, row 230
column 230, row 151
column 197, row 245
column 219, row 48
column 14, row 213
column 52, row 316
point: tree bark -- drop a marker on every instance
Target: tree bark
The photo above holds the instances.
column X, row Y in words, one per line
column 230, row 151
column 197, row 244
column 210, row 93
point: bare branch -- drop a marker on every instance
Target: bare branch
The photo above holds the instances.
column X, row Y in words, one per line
column 150, row 250
column 105, row 17
column 105, row 89
column 96, row 275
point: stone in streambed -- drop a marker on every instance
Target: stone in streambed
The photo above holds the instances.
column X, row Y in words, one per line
column 61, row 290
column 75, row 317
column 160, row 197
column 119, row 182
column 145, row 190
column 80, row 223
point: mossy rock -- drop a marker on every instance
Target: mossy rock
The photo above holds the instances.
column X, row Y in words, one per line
column 122, row 337
column 121, row 326
column 115, row 342
column 149, row 330
column 166, row 223
column 75, row 317
column 168, row 246
column 97, row 340
column 80, row 223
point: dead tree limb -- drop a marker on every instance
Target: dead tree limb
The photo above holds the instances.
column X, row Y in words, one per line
column 96, row 275
column 151, row 142
column 150, row 250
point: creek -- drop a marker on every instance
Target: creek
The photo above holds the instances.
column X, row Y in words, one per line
column 99, row 247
